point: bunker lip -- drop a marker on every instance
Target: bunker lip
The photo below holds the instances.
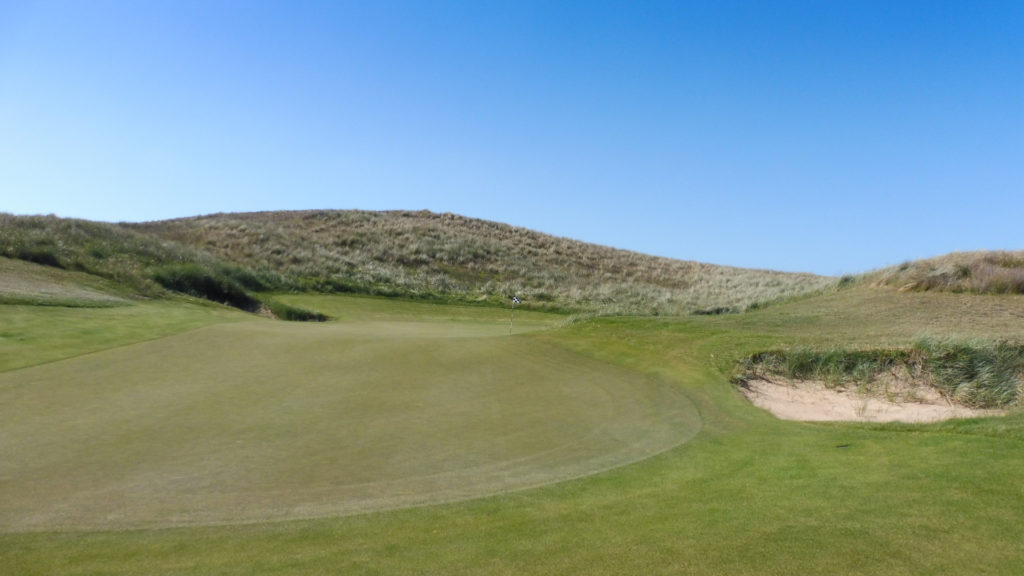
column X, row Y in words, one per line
column 813, row 401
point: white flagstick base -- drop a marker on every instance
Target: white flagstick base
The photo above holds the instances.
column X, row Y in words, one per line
column 511, row 317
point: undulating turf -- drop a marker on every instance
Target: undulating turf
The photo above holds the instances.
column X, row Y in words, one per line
column 259, row 421
column 31, row 335
column 23, row 282
column 749, row 494
column 494, row 320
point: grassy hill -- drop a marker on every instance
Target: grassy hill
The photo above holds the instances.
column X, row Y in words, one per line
column 985, row 272
column 131, row 263
column 24, row 282
column 453, row 257
column 233, row 258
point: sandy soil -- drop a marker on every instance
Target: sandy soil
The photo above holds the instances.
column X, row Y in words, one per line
column 811, row 401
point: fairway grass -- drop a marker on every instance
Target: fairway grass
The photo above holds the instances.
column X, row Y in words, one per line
column 260, row 421
column 749, row 494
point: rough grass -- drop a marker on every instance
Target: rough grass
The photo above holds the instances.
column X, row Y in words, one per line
column 66, row 262
column 101, row 249
column 976, row 272
column 197, row 281
column 442, row 257
column 284, row 311
column 864, row 317
column 126, row 261
column 24, row 282
column 834, row 366
column 447, row 256
column 977, row 374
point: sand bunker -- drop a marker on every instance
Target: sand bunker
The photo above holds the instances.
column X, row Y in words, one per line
column 812, row 401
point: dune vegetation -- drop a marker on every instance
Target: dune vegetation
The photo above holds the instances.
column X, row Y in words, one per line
column 446, row 256
column 976, row 374
column 232, row 258
column 993, row 272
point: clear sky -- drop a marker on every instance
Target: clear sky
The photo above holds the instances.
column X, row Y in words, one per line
column 822, row 136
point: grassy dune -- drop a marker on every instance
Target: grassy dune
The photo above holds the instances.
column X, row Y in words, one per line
column 230, row 258
column 123, row 257
column 449, row 256
column 749, row 494
column 999, row 272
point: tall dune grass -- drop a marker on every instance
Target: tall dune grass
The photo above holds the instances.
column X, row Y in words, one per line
column 997, row 272
column 131, row 260
column 452, row 257
column 975, row 373
column 229, row 257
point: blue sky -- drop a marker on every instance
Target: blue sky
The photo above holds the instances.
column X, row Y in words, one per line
column 820, row 136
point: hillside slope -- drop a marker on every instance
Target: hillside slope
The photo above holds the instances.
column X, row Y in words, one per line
column 983, row 272
column 125, row 261
column 450, row 256
column 25, row 282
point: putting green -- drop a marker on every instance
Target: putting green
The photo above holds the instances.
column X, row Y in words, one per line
column 262, row 421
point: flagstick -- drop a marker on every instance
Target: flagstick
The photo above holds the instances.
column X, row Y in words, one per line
column 511, row 316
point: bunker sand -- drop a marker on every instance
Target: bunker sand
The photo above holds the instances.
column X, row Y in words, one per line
column 812, row 401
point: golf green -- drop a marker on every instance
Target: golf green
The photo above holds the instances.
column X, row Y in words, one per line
column 261, row 421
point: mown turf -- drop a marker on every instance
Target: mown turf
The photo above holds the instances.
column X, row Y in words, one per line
column 493, row 319
column 259, row 421
column 31, row 335
column 749, row 495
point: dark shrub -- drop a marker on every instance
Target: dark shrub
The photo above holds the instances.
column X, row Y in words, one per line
column 40, row 255
column 195, row 280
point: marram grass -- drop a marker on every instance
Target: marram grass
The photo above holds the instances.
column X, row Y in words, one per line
column 974, row 373
column 230, row 258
